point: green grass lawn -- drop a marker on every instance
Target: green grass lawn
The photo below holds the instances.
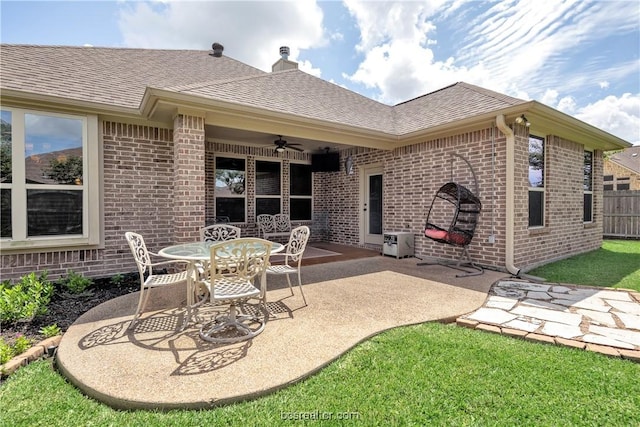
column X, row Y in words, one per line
column 616, row 264
column 430, row 374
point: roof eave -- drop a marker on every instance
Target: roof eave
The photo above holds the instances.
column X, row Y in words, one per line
column 466, row 124
column 163, row 105
column 30, row 100
column 549, row 121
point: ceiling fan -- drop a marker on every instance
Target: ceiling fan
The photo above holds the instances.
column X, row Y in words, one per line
column 282, row 145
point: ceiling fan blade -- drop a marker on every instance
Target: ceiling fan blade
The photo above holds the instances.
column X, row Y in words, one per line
column 295, row 148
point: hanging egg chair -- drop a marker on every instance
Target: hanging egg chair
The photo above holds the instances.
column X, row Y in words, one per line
column 453, row 215
column 452, row 219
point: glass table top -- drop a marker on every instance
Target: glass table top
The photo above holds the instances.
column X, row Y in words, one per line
column 200, row 251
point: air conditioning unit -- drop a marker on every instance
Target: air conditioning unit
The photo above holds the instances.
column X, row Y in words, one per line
column 398, row 244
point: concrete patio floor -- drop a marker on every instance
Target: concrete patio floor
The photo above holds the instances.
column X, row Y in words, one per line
column 159, row 366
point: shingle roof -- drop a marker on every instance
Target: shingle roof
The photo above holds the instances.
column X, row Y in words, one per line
column 449, row 104
column 298, row 93
column 629, row 158
column 114, row 76
column 120, row 76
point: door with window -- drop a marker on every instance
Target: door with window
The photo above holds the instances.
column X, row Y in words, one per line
column 372, row 205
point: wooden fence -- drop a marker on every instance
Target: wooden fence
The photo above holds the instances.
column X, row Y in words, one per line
column 621, row 214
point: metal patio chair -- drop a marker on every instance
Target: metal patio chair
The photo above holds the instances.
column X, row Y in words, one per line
column 293, row 252
column 235, row 266
column 219, row 233
column 149, row 269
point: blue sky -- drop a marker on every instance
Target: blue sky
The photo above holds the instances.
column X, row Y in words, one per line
column 581, row 57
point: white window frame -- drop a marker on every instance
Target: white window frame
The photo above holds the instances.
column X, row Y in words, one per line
column 91, row 192
column 544, row 182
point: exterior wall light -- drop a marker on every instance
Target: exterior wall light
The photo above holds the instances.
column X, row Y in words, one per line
column 348, row 165
column 522, row 120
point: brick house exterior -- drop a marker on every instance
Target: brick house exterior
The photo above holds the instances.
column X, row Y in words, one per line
column 622, row 170
column 157, row 138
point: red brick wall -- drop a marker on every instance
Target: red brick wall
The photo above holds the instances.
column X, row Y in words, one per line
column 187, row 206
column 620, row 172
column 141, row 188
column 564, row 232
column 412, row 175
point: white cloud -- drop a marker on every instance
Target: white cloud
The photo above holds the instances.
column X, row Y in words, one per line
column 567, row 105
column 619, row 116
column 308, row 68
column 550, row 97
column 251, row 32
column 536, row 44
column 604, row 84
column 398, row 59
column 516, row 47
column 382, row 21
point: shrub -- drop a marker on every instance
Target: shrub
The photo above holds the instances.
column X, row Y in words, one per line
column 74, row 283
column 26, row 299
column 13, row 348
column 50, row 330
column 6, row 352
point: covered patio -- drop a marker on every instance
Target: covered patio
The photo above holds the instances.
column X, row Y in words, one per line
column 158, row 365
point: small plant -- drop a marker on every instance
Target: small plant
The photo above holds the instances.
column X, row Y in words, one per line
column 21, row 344
column 13, row 348
column 6, row 352
column 117, row 279
column 26, row 299
column 50, row 330
column 74, row 283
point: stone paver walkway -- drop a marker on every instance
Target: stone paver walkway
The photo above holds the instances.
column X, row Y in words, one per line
column 597, row 319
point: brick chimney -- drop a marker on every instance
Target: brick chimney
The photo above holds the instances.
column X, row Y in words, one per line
column 283, row 63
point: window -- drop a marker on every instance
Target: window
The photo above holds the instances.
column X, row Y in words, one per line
column 536, row 181
column 608, row 182
column 300, row 194
column 49, row 193
column 588, row 186
column 230, row 190
column 623, row 183
column 6, row 171
column 268, row 187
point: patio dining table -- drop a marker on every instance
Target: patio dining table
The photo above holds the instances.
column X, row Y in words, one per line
column 198, row 254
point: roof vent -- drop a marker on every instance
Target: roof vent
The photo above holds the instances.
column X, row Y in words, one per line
column 284, row 52
column 217, row 50
column 283, row 63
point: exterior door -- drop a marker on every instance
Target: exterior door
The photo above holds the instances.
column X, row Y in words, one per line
column 372, row 205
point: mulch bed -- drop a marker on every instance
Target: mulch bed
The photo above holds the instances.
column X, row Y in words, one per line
column 65, row 308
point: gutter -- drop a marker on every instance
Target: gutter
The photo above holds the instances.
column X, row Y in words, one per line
column 510, row 196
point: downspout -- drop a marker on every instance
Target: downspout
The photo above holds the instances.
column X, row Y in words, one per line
column 510, row 195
